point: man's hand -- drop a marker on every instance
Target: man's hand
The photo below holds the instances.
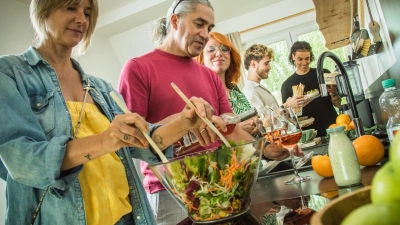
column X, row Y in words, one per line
column 275, row 152
column 197, row 126
column 293, row 102
column 331, row 89
column 249, row 126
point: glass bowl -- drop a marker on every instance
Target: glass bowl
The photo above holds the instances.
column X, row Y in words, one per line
column 213, row 185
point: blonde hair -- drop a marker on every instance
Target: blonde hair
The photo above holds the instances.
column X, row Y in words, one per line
column 40, row 9
column 257, row 52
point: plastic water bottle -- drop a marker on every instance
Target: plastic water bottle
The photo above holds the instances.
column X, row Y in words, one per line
column 389, row 101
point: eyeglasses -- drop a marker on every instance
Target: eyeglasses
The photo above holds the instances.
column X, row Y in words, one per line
column 223, row 48
column 173, row 11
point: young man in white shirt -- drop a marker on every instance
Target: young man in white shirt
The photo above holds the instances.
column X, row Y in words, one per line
column 257, row 60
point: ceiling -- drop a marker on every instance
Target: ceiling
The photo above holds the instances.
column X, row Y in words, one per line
column 117, row 16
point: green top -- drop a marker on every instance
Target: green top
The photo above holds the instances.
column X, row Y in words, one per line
column 238, row 100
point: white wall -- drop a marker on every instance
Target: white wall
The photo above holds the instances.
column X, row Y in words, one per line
column 100, row 60
column 132, row 43
column 17, row 34
column 16, row 31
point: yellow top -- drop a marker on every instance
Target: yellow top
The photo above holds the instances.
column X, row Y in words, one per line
column 103, row 181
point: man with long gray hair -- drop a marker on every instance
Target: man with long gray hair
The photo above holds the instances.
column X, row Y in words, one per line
column 145, row 85
column 180, row 36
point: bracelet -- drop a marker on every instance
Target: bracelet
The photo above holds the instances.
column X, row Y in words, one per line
column 262, row 154
column 150, row 147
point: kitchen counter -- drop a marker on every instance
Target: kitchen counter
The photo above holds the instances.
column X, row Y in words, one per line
column 270, row 189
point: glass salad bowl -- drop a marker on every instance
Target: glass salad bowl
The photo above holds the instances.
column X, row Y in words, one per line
column 213, row 185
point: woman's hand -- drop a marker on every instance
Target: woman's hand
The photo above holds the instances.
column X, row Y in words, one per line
column 196, row 125
column 123, row 131
column 275, row 152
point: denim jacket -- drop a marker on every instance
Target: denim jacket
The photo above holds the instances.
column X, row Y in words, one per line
column 35, row 126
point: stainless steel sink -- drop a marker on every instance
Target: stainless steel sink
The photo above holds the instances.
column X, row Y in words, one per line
column 278, row 168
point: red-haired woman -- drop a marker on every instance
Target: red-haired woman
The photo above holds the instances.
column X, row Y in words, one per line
column 221, row 56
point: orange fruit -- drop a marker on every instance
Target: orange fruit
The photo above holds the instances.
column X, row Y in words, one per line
column 346, row 126
column 321, row 164
column 343, row 119
column 369, row 150
column 333, row 125
column 351, row 126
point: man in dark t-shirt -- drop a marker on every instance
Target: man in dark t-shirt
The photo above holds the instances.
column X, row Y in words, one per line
column 321, row 108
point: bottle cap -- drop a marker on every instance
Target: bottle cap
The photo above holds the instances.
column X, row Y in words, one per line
column 335, row 129
column 389, row 83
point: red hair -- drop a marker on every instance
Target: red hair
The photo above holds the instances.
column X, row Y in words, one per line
column 232, row 74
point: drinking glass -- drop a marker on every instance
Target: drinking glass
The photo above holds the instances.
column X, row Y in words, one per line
column 264, row 122
column 286, row 132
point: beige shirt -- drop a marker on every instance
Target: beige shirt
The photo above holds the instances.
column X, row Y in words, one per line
column 258, row 95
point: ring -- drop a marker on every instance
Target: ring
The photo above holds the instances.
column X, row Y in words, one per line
column 202, row 130
column 125, row 137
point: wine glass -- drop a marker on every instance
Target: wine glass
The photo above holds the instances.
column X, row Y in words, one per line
column 264, row 122
column 286, row 132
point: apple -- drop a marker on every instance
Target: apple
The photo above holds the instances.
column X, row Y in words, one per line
column 394, row 154
column 385, row 185
column 373, row 214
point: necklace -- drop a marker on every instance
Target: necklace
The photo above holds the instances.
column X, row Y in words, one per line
column 78, row 125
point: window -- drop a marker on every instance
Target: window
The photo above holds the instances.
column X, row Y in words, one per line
column 316, row 40
column 281, row 69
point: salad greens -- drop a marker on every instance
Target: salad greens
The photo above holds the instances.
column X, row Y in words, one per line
column 214, row 185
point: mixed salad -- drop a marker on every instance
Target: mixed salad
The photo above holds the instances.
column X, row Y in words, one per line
column 214, row 185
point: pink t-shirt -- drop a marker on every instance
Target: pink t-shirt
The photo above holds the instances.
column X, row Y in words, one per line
column 145, row 84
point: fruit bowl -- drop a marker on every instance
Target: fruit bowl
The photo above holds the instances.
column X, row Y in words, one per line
column 335, row 211
column 213, row 185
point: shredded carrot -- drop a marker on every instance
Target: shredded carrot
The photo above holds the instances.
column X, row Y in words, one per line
column 226, row 179
column 189, row 204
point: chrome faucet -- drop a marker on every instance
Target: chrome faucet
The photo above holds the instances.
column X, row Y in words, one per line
column 350, row 97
